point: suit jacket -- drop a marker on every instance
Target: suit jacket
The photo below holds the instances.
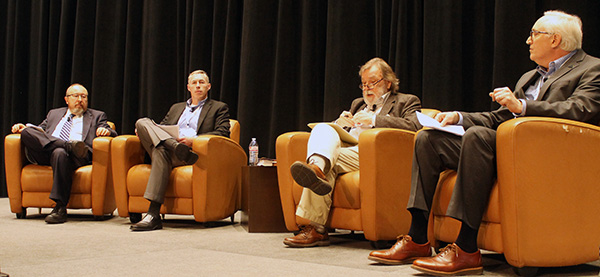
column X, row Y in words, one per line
column 92, row 119
column 398, row 111
column 213, row 119
column 572, row 92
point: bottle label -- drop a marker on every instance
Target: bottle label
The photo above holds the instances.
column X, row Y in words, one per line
column 253, row 148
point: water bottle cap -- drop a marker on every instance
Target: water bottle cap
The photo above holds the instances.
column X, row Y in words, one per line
column 253, row 138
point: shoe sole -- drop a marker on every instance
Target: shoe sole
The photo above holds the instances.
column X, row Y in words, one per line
column 55, row 222
column 134, row 229
column 141, row 229
column 306, row 177
column 79, row 149
column 466, row 271
column 304, row 245
column 392, row 262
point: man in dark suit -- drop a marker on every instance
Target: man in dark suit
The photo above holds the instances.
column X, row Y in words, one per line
column 65, row 144
column 328, row 156
column 199, row 115
column 565, row 84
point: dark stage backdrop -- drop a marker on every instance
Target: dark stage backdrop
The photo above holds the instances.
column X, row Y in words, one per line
column 278, row 64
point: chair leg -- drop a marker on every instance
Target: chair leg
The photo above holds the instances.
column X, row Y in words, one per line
column 22, row 214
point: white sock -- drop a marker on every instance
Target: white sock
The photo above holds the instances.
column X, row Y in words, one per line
column 319, row 161
column 319, row 227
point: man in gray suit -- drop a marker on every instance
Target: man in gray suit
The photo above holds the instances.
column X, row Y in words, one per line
column 565, row 84
column 199, row 115
column 328, row 155
column 65, row 144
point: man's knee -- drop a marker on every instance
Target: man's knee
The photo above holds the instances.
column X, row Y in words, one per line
column 27, row 134
column 478, row 134
column 141, row 122
column 424, row 137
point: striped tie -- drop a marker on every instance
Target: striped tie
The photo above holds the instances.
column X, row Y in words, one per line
column 65, row 132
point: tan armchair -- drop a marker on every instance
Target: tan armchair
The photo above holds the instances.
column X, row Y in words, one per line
column 29, row 185
column 209, row 190
column 543, row 209
column 373, row 199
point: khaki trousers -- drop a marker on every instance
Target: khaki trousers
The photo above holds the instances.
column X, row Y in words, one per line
column 325, row 141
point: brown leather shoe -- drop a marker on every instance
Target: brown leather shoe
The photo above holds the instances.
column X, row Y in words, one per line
column 451, row 261
column 76, row 148
column 403, row 252
column 311, row 177
column 308, row 237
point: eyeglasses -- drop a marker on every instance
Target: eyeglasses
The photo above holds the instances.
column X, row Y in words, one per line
column 369, row 86
column 75, row 96
column 538, row 32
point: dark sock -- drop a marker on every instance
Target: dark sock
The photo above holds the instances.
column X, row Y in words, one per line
column 467, row 239
column 154, row 208
column 58, row 203
column 418, row 226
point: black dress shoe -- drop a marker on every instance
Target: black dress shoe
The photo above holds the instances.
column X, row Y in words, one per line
column 76, row 148
column 185, row 153
column 149, row 223
column 58, row 215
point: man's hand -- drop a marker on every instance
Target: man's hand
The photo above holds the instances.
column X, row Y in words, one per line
column 102, row 132
column 447, row 118
column 17, row 128
column 345, row 119
column 363, row 117
column 186, row 140
column 506, row 98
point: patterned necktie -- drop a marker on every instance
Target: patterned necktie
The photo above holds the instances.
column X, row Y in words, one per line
column 65, row 132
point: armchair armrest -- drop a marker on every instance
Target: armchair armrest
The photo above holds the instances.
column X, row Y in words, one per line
column 13, row 162
column 548, row 188
column 290, row 147
column 103, row 199
column 127, row 151
column 385, row 172
column 216, row 177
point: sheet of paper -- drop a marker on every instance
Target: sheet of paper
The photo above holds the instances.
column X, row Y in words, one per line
column 344, row 135
column 172, row 130
column 427, row 121
column 34, row 126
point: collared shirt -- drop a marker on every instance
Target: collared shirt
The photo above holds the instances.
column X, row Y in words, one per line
column 76, row 128
column 533, row 91
column 188, row 121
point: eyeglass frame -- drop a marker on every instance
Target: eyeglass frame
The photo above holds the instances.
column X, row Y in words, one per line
column 539, row 32
column 371, row 85
column 75, row 96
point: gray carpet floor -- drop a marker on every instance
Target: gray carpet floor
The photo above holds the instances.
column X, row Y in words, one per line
column 85, row 247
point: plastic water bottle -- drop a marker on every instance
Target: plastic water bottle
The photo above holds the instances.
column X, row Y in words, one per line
column 253, row 152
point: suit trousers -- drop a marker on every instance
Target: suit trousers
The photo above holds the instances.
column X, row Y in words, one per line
column 163, row 159
column 473, row 156
column 44, row 149
column 325, row 141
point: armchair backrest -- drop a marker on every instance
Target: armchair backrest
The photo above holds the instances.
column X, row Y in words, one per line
column 234, row 130
column 430, row 112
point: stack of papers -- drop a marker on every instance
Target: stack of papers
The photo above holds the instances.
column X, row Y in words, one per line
column 427, row 121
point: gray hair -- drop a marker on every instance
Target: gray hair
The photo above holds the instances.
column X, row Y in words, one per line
column 568, row 26
column 386, row 70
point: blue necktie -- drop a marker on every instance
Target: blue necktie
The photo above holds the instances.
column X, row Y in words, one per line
column 65, row 132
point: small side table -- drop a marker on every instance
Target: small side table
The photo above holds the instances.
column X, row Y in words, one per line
column 261, row 204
